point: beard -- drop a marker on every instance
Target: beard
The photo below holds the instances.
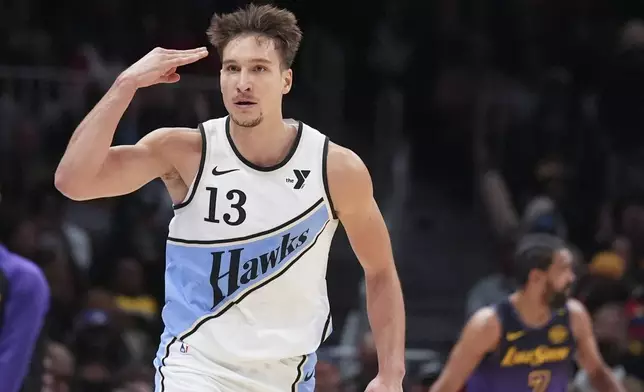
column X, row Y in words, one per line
column 248, row 123
column 557, row 298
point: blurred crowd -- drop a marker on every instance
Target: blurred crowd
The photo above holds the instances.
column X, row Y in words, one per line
column 530, row 111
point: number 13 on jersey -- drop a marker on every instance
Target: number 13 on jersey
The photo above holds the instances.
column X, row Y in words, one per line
column 238, row 205
column 539, row 380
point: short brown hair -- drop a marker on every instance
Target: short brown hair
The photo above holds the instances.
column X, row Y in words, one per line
column 278, row 24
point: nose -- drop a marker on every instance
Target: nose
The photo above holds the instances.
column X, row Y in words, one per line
column 244, row 84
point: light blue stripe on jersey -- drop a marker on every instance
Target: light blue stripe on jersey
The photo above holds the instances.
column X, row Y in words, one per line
column 205, row 280
column 162, row 354
column 307, row 378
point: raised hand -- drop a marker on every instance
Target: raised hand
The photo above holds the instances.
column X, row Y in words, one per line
column 160, row 66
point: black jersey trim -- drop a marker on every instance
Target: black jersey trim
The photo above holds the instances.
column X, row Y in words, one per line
column 249, row 237
column 299, row 374
column 202, row 163
column 326, row 328
column 260, row 285
column 167, row 354
column 250, row 164
column 325, row 178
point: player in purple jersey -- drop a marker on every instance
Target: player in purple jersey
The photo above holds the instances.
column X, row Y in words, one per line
column 528, row 342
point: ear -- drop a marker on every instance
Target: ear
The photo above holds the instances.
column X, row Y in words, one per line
column 536, row 276
column 287, row 81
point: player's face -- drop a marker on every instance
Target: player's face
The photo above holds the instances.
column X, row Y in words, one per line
column 559, row 279
column 252, row 80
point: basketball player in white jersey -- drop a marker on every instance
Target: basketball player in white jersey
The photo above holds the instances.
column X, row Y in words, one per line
column 257, row 200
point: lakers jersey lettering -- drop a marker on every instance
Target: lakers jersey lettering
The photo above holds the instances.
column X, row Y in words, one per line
column 534, row 357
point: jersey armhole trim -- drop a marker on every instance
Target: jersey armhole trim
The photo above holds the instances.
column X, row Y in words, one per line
column 325, row 179
column 496, row 350
column 202, row 163
column 326, row 332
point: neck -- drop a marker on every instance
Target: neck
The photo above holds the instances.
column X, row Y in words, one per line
column 266, row 144
column 531, row 307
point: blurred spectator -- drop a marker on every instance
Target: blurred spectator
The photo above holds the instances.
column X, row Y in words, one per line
column 59, row 368
column 139, row 310
column 64, row 295
column 610, row 325
column 97, row 340
column 543, row 212
column 608, row 264
column 496, row 287
column 427, row 375
column 368, row 359
column 94, row 376
column 129, row 288
column 67, row 239
column 327, row 378
column 635, row 316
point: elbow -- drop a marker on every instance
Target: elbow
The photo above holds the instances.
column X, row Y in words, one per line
column 67, row 185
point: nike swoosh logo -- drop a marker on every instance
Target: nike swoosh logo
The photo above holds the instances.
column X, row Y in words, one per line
column 309, row 376
column 512, row 336
column 219, row 173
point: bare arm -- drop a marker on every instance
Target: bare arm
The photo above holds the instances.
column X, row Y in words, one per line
column 352, row 194
column 480, row 336
column 90, row 168
column 588, row 356
column 123, row 170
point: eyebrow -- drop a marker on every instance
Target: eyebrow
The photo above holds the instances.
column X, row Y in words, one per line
column 253, row 60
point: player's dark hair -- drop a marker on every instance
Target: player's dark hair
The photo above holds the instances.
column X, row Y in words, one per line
column 535, row 251
column 268, row 21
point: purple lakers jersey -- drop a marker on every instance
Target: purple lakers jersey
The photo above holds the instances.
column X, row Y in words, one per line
column 527, row 359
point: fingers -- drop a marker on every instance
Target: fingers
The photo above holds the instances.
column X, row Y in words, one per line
column 172, row 78
column 177, row 60
column 170, row 71
column 185, row 52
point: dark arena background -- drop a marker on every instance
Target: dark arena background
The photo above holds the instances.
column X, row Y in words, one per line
column 478, row 120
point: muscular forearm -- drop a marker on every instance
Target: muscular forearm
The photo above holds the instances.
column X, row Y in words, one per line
column 387, row 318
column 603, row 380
column 90, row 143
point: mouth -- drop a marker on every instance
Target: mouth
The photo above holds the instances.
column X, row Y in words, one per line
column 244, row 103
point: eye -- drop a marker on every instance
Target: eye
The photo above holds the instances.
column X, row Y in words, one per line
column 260, row 68
column 232, row 68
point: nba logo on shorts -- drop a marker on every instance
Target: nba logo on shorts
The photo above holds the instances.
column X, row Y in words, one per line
column 184, row 348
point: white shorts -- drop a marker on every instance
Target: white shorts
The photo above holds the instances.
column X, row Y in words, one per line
column 185, row 369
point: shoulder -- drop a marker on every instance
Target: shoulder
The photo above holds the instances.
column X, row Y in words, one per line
column 486, row 319
column 580, row 321
column 483, row 329
column 349, row 179
column 344, row 164
column 576, row 309
column 575, row 306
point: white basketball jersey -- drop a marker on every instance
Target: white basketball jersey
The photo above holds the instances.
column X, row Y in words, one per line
column 247, row 252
